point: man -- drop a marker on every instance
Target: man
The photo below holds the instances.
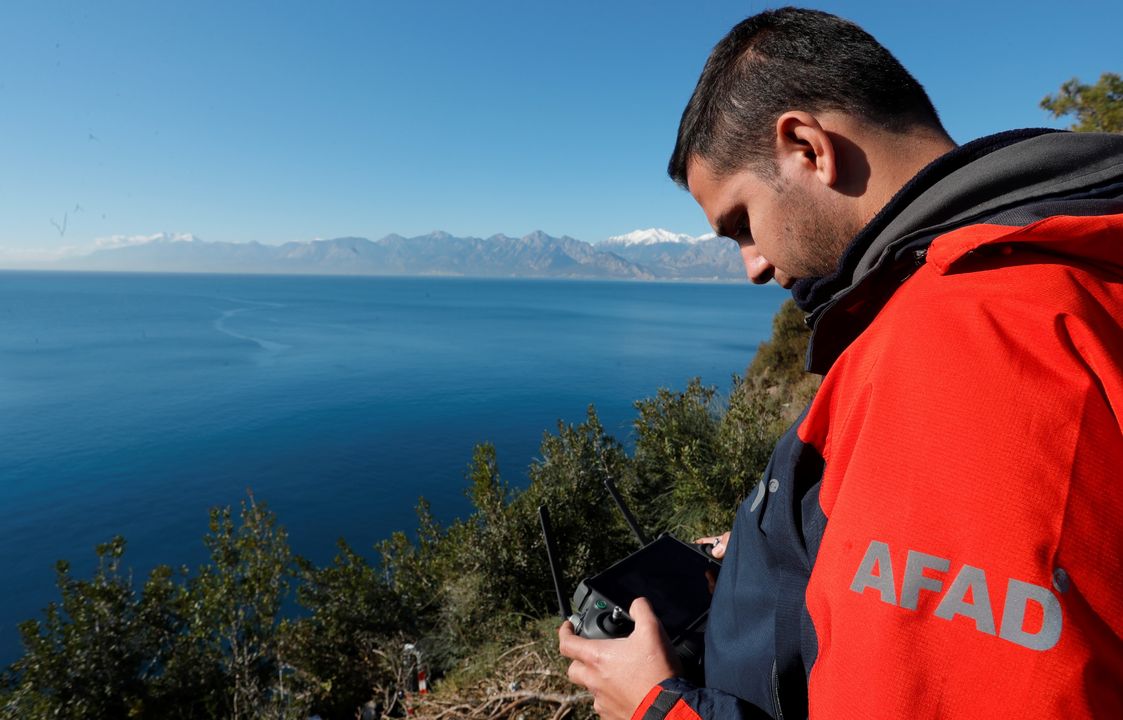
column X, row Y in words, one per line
column 939, row 535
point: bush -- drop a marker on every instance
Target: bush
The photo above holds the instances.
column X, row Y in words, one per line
column 182, row 648
column 348, row 649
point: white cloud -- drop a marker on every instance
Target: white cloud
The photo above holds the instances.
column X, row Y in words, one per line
column 16, row 257
column 117, row 241
column 28, row 255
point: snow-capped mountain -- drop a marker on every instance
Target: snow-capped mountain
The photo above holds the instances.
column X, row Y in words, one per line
column 655, row 236
column 669, row 254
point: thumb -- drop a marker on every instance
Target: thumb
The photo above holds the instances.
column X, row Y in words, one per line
column 652, row 634
column 643, row 615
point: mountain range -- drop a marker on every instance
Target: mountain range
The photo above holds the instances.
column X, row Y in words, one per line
column 640, row 255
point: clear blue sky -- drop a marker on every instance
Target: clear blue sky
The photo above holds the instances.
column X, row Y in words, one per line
column 277, row 121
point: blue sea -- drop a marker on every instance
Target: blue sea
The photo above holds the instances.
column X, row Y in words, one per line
column 132, row 403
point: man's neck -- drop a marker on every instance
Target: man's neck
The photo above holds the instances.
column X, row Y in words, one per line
column 894, row 161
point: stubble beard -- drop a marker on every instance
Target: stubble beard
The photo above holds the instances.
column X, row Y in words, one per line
column 816, row 236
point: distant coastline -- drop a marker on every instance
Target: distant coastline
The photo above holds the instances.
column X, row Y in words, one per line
column 640, row 255
column 374, row 276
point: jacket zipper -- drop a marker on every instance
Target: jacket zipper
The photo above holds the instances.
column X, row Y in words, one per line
column 776, row 692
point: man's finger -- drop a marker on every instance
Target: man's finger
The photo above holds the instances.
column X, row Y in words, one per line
column 577, row 673
column 574, row 647
column 717, row 544
column 642, row 613
column 721, row 544
column 718, row 550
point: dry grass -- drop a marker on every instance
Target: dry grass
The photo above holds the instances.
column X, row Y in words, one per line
column 522, row 682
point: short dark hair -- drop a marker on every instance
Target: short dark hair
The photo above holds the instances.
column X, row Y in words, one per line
column 791, row 59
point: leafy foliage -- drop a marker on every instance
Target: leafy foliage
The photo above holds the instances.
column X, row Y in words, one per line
column 779, row 360
column 181, row 648
column 348, row 649
column 1097, row 108
column 95, row 650
column 237, row 598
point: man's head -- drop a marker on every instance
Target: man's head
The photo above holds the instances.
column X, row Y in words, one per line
column 802, row 125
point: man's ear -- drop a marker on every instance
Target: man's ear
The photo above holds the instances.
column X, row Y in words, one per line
column 804, row 146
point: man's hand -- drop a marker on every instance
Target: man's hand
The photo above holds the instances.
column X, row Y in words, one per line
column 717, row 544
column 718, row 541
column 620, row 672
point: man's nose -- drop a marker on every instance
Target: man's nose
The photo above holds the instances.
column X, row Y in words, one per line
column 757, row 266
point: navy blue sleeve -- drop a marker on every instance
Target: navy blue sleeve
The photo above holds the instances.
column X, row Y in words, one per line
column 680, row 700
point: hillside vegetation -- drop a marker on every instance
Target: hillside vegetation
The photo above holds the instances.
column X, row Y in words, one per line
column 473, row 598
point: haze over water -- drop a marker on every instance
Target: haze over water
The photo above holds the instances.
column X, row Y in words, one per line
column 133, row 403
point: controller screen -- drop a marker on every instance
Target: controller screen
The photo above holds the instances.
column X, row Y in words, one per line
column 671, row 575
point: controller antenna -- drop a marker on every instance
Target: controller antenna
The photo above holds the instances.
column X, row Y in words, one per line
column 552, row 555
column 628, row 517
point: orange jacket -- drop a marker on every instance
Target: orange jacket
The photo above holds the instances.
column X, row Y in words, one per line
column 973, row 481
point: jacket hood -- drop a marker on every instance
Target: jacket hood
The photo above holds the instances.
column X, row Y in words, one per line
column 1010, row 180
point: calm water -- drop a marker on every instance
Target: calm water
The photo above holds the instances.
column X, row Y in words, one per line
column 133, row 403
